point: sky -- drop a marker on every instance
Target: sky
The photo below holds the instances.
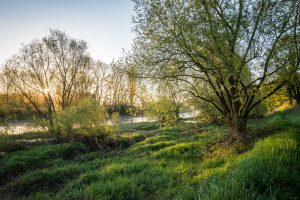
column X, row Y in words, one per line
column 106, row 25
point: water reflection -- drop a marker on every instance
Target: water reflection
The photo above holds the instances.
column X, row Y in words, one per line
column 23, row 127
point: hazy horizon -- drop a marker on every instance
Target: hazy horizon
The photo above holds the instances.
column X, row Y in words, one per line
column 104, row 25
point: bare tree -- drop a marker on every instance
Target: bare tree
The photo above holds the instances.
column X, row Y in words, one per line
column 117, row 84
column 51, row 73
column 4, row 86
column 100, row 74
column 32, row 76
column 72, row 63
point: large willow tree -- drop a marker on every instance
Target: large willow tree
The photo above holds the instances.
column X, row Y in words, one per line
column 229, row 46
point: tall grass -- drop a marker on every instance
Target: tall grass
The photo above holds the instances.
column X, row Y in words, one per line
column 20, row 161
column 271, row 170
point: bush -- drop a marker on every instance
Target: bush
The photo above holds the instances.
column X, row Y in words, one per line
column 258, row 111
column 82, row 117
column 164, row 111
column 207, row 113
column 84, row 122
column 99, row 138
column 115, row 119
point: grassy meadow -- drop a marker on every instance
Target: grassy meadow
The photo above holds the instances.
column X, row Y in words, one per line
column 189, row 161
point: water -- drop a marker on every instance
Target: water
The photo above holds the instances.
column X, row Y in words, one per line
column 139, row 119
column 23, row 127
column 132, row 120
column 19, row 128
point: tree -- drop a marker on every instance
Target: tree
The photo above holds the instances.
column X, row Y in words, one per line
column 50, row 74
column 4, row 87
column 31, row 76
column 71, row 64
column 117, row 84
column 290, row 56
column 100, row 74
column 132, row 84
column 293, row 87
column 171, row 89
column 123, row 86
column 228, row 45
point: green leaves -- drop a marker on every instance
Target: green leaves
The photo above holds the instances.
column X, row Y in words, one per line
column 228, row 46
column 164, row 111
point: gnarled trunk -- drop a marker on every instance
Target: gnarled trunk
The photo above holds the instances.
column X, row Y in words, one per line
column 237, row 125
column 298, row 100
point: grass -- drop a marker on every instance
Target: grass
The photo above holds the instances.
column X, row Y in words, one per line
column 9, row 143
column 184, row 162
column 269, row 170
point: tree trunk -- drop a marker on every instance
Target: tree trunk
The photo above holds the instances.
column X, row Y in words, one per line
column 291, row 101
column 177, row 114
column 298, row 99
column 51, row 122
column 237, row 126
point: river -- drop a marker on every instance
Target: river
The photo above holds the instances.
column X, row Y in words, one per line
column 23, row 127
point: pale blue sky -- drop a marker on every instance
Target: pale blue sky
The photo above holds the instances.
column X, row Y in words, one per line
column 104, row 24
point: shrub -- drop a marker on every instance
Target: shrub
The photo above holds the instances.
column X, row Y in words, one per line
column 207, row 113
column 82, row 117
column 97, row 138
column 164, row 111
column 84, row 122
column 115, row 119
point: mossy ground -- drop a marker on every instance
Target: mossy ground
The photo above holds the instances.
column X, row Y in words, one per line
column 184, row 162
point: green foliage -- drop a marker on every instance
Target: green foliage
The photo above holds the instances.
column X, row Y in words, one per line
column 83, row 117
column 12, row 108
column 115, row 119
column 84, row 122
column 207, row 113
column 198, row 48
column 275, row 101
column 164, row 111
